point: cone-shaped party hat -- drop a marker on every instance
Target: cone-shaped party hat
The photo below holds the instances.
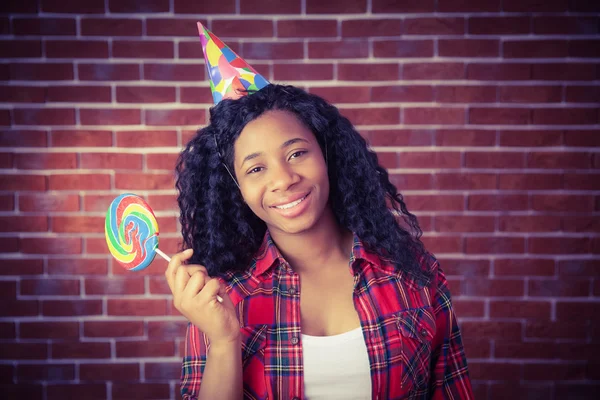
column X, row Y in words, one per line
column 230, row 75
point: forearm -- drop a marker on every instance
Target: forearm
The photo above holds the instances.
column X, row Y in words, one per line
column 222, row 378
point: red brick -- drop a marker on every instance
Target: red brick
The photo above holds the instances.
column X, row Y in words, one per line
column 443, row 244
column 339, row 49
column 7, row 160
column 506, row 372
column 76, row 49
column 145, row 349
column 493, row 71
column 23, row 138
column 494, row 244
column 531, row 138
column 434, row 26
column 407, row 6
column 373, row 116
column 158, row 285
column 249, row 28
column 22, row 267
column 534, row 49
column 111, row 27
column 530, row 181
column 23, row 182
column 529, row 223
column 458, row 181
column 49, row 330
column 110, row 329
column 407, row 181
column 555, row 330
column 79, row 94
column 583, row 5
column 581, row 181
column 578, row 268
column 67, row 350
column 388, row 160
column 21, row 48
column 162, row 371
column 484, row 202
column 114, row 286
column 147, row 94
column 24, row 351
column 435, row 116
column 44, row 116
column 347, row 7
column 493, row 287
column 162, row 202
column 89, row 391
column 24, row 224
column 72, row 6
column 46, row 161
column 161, row 161
column 45, row 372
column 109, row 372
column 71, row 308
column 469, row 308
column 341, row 94
column 582, row 94
column 561, row 160
column 135, row 139
column 133, row 6
column 50, row 287
column 273, row 50
column 554, row 372
column 571, row 71
column 142, row 49
column 8, row 289
column 175, row 117
column 7, row 331
column 433, row 71
column 50, row 245
column 535, row 6
column 466, row 94
column 308, row 28
column 570, row 311
column 41, row 72
column 9, row 245
column 78, row 224
column 96, row 246
column 468, row 5
column 109, row 72
column 187, row 7
column 559, row 288
column 172, row 26
column 7, row 202
column 167, row 329
column 539, row 245
column 98, row 202
column 403, row 48
column 81, row 138
column 491, row 330
column 494, row 159
column 369, row 72
column 195, row 95
column 302, row 72
column 400, row 137
column 23, row 94
column 465, row 137
column 126, row 391
column 79, row 182
column 499, row 25
column 468, row 48
column 580, row 224
column 371, row 27
column 270, row 7
column 524, row 267
column 465, row 223
column 192, row 50
column 136, row 307
column 504, row 116
column 111, row 161
column 565, row 116
column 530, row 94
column 113, row 116
column 565, row 25
column 405, row 93
column 441, row 160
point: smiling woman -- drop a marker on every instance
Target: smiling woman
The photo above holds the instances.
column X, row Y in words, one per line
column 288, row 216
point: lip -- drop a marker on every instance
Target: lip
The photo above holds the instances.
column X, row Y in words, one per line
column 297, row 209
column 290, row 199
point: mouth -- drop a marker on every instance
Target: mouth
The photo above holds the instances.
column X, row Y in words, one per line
column 291, row 204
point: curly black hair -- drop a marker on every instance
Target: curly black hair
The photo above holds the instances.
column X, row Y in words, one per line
column 225, row 233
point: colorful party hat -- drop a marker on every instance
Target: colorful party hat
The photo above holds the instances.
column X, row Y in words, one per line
column 230, row 76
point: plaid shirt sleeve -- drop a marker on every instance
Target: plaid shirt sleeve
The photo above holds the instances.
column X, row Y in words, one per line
column 194, row 361
column 449, row 376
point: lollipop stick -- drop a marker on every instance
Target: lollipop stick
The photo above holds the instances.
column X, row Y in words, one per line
column 168, row 259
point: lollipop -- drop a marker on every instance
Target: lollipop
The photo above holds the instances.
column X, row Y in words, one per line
column 131, row 232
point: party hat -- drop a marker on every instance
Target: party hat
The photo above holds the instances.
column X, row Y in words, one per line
column 230, row 75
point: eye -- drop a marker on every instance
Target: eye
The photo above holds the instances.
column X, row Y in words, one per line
column 298, row 153
column 254, row 170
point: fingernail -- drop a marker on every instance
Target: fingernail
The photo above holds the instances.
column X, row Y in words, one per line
column 188, row 251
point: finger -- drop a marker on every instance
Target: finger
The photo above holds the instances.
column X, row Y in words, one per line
column 181, row 280
column 211, row 289
column 195, row 284
column 193, row 268
column 174, row 264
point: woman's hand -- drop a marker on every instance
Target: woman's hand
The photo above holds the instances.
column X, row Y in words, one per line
column 195, row 296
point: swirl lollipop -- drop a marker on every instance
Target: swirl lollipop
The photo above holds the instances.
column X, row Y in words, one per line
column 131, row 232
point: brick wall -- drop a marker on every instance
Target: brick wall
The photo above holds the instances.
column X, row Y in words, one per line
column 485, row 112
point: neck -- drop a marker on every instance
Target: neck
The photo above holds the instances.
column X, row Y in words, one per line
column 325, row 244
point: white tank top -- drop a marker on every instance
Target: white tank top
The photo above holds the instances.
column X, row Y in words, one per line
column 336, row 367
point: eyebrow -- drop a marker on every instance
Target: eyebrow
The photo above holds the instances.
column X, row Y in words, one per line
column 285, row 144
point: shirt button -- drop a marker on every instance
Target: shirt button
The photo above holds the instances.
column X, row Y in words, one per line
column 292, row 290
column 295, row 398
column 423, row 332
column 294, row 340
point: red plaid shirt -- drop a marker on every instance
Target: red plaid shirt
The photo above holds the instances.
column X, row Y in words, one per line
column 413, row 340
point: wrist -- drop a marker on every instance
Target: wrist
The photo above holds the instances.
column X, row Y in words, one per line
column 225, row 346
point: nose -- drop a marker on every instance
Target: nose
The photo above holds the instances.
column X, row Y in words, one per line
column 283, row 177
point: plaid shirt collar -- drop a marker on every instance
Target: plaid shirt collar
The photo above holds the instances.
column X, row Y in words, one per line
column 268, row 257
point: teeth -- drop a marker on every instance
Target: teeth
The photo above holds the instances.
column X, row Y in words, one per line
column 290, row 205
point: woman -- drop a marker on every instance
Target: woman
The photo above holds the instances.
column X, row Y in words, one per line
column 327, row 291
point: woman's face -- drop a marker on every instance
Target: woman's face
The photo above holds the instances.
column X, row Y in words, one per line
column 281, row 172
